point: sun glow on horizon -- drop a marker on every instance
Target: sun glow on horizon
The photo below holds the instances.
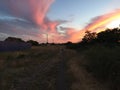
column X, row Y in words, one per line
column 114, row 24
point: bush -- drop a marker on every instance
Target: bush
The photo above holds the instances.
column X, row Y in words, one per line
column 33, row 43
column 104, row 63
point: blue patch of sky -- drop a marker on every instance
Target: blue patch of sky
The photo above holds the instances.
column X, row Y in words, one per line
column 82, row 11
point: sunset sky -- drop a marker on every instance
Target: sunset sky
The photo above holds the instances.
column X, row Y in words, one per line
column 61, row 20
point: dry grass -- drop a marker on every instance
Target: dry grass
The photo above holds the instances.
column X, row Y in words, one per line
column 38, row 68
column 81, row 78
column 33, row 69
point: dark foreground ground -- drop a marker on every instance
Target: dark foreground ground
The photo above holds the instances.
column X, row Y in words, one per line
column 46, row 68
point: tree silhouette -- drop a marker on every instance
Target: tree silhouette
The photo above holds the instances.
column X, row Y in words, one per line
column 109, row 36
column 89, row 37
column 33, row 43
column 14, row 39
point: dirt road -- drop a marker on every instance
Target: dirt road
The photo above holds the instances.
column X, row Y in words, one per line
column 56, row 70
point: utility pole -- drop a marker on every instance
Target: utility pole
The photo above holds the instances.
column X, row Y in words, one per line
column 46, row 38
column 52, row 39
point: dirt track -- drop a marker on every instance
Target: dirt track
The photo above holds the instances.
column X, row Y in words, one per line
column 52, row 74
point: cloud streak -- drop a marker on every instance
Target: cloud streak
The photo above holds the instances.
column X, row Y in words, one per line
column 27, row 17
column 97, row 24
column 103, row 20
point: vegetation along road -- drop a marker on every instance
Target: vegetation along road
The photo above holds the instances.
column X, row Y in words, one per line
column 51, row 67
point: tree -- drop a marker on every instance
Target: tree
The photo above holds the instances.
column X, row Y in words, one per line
column 109, row 36
column 33, row 43
column 89, row 37
column 14, row 39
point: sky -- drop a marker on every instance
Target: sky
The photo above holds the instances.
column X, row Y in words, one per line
column 60, row 20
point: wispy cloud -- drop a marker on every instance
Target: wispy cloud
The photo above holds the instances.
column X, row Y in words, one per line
column 27, row 17
column 96, row 24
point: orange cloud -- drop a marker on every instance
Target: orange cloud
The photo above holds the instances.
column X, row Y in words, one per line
column 96, row 25
column 103, row 21
column 34, row 11
column 47, row 26
column 40, row 9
